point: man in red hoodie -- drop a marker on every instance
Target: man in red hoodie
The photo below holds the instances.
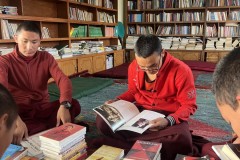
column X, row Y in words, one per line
column 25, row 73
column 158, row 81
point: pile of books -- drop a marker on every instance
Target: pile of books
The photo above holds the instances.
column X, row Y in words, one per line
column 221, row 44
column 64, row 142
column 188, row 43
column 52, row 51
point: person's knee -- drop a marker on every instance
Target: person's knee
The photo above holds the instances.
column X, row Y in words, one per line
column 185, row 141
column 100, row 124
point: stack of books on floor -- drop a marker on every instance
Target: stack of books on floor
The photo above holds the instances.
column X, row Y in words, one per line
column 64, row 142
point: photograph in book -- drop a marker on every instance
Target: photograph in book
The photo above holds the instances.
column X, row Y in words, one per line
column 111, row 114
column 124, row 115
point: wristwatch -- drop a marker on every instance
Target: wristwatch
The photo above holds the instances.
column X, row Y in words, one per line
column 66, row 104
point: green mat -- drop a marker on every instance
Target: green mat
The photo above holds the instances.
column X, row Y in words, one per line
column 81, row 87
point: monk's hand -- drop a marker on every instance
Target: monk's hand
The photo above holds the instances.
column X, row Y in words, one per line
column 20, row 131
column 63, row 115
column 158, row 124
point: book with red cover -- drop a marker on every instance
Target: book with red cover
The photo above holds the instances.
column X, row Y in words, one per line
column 144, row 150
column 63, row 134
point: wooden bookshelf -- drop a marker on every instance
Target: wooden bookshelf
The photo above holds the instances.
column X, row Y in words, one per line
column 183, row 15
column 57, row 17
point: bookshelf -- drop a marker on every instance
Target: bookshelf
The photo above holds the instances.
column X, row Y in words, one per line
column 94, row 19
column 212, row 19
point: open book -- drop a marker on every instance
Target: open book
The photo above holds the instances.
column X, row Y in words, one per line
column 124, row 115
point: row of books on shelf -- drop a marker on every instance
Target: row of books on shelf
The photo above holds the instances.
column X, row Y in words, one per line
column 93, row 31
column 101, row 3
column 45, row 32
column 158, row 4
column 104, row 3
column 191, row 43
column 11, row 10
column 180, row 30
column 81, row 15
column 140, row 30
column 8, row 30
column 217, row 16
column 183, row 16
column 106, row 17
column 221, row 3
column 174, row 17
column 229, row 30
column 167, row 30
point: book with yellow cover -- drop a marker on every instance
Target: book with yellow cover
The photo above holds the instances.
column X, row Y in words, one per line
column 107, row 153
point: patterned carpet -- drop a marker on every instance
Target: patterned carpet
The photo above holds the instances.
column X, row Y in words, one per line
column 207, row 121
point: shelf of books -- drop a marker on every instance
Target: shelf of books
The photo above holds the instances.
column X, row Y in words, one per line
column 210, row 27
column 69, row 27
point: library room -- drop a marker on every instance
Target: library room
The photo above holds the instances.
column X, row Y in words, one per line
column 119, row 79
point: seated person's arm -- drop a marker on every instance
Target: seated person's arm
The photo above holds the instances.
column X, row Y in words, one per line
column 65, row 88
column 186, row 96
column 20, row 132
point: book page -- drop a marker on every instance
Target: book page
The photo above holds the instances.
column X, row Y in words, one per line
column 140, row 123
column 117, row 113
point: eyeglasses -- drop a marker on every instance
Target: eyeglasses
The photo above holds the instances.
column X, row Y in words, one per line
column 153, row 68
